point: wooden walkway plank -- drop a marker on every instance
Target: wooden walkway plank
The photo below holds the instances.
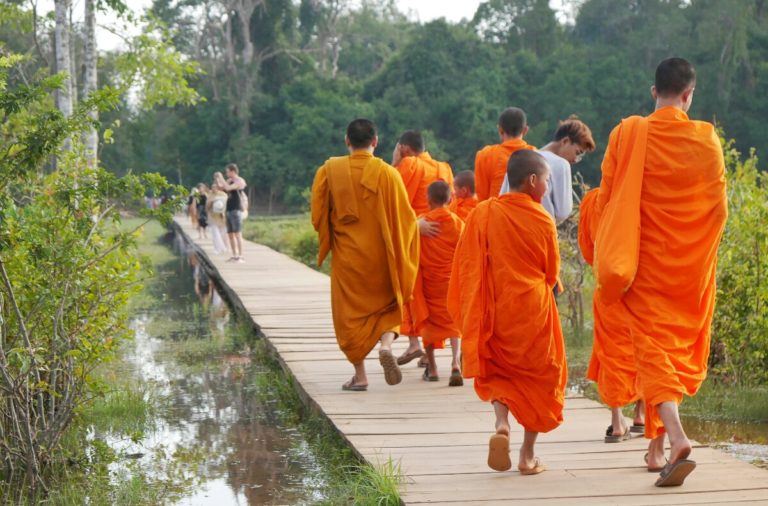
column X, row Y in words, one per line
column 439, row 434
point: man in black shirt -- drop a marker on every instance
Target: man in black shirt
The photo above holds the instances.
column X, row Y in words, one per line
column 235, row 188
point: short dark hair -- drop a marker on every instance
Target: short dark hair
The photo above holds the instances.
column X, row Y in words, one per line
column 465, row 179
column 413, row 139
column 513, row 121
column 361, row 133
column 674, row 76
column 577, row 131
column 233, row 168
column 522, row 164
column 439, row 193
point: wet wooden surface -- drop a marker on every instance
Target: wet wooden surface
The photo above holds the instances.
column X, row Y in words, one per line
column 439, row 434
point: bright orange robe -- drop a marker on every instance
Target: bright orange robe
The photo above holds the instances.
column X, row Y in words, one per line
column 428, row 308
column 361, row 212
column 418, row 172
column 462, row 207
column 612, row 364
column 491, row 166
column 500, row 295
column 683, row 211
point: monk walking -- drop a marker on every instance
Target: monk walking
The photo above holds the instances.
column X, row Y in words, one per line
column 428, row 307
column 501, row 297
column 465, row 200
column 361, row 213
column 491, row 161
column 662, row 207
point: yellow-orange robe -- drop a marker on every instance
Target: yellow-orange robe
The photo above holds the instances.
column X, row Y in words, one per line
column 683, row 211
column 418, row 172
column 461, row 207
column 612, row 364
column 361, row 212
column 491, row 166
column 500, row 295
column 428, row 308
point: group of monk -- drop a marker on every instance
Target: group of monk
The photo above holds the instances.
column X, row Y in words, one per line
column 474, row 259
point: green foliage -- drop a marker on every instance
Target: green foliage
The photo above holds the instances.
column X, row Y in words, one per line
column 740, row 327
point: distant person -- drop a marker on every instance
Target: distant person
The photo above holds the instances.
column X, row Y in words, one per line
column 201, row 202
column 428, row 308
column 362, row 215
column 217, row 216
column 491, row 161
column 235, row 186
column 500, row 295
column 191, row 207
column 662, row 209
column 572, row 140
column 465, row 199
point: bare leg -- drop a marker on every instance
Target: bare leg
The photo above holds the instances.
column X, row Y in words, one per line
column 455, row 349
column 618, row 422
column 639, row 418
column 680, row 445
column 387, row 338
column 502, row 417
column 239, row 237
column 413, row 344
column 656, row 458
column 360, row 377
column 233, row 244
column 432, row 367
column 527, row 454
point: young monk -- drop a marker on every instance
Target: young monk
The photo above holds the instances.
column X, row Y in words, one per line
column 491, row 161
column 465, row 200
column 612, row 364
column 361, row 213
column 671, row 297
column 512, row 343
column 428, row 307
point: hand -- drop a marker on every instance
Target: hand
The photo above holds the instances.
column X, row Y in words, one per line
column 428, row 228
column 396, row 155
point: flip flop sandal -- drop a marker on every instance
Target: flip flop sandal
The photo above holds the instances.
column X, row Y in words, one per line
column 392, row 374
column 498, row 453
column 407, row 357
column 427, row 377
column 611, row 438
column 637, row 428
column 537, row 468
column 654, row 469
column 455, row 380
column 675, row 474
column 351, row 386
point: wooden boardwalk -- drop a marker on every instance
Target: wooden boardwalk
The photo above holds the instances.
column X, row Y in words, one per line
column 439, row 434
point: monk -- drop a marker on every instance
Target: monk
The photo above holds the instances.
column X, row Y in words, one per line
column 612, row 364
column 491, row 161
column 682, row 213
column 418, row 170
column 512, row 343
column 465, row 199
column 361, row 213
column 428, row 308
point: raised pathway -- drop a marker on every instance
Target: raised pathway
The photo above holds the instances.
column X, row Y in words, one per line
column 439, row 434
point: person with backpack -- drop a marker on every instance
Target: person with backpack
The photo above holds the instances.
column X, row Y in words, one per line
column 217, row 209
column 237, row 209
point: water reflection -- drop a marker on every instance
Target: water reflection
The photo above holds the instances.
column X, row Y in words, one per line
column 212, row 415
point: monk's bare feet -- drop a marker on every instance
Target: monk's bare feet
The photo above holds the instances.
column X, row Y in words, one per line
column 680, row 450
column 502, row 428
column 529, row 463
column 656, row 459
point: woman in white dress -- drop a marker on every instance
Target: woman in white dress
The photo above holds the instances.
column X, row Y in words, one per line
column 217, row 206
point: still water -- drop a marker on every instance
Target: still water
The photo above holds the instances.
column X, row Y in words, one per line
column 217, row 431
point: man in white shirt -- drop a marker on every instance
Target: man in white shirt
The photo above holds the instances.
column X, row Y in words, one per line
column 571, row 141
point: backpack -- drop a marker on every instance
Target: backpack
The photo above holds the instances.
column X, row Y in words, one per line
column 219, row 206
column 244, row 203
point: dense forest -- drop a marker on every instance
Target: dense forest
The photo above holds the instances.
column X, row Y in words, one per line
column 282, row 78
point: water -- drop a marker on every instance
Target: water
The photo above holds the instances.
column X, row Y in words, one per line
column 217, row 433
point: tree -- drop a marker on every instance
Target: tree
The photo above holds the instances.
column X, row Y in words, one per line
column 64, row 95
column 90, row 84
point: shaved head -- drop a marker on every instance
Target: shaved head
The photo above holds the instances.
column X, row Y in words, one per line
column 361, row 133
column 439, row 193
column 414, row 140
column 673, row 77
column 465, row 179
column 522, row 164
column 513, row 121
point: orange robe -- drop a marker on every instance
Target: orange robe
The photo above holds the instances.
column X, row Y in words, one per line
column 428, row 308
column 418, row 172
column 612, row 364
column 500, row 295
column 361, row 212
column 462, row 207
column 491, row 166
column 683, row 210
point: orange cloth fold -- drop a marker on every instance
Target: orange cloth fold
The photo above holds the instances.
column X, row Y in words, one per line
column 428, row 309
column 491, row 166
column 418, row 172
column 375, row 258
column 683, row 210
column 512, row 343
column 461, row 207
column 612, row 364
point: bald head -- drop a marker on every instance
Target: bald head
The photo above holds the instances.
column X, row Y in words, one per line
column 674, row 76
column 439, row 194
column 465, row 179
column 513, row 121
column 524, row 163
column 361, row 133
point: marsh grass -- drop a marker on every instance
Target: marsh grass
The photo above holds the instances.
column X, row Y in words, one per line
column 291, row 234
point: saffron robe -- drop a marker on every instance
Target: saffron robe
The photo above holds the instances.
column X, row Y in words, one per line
column 428, row 308
column 461, row 207
column 362, row 215
column 491, row 166
column 500, row 295
column 683, row 210
column 418, row 172
column 612, row 364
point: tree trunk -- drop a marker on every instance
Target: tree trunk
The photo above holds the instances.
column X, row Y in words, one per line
column 91, row 136
column 63, row 64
